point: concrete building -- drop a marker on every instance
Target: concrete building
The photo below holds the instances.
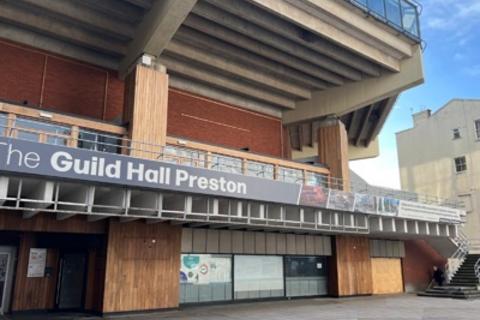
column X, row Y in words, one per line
column 147, row 153
column 440, row 156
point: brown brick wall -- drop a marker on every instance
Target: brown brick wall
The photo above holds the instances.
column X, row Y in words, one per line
column 418, row 264
column 209, row 121
column 40, row 79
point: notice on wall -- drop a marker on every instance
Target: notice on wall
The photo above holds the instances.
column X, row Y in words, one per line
column 420, row 211
column 37, row 261
column 205, row 269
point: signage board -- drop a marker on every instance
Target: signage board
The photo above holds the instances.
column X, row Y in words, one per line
column 37, row 260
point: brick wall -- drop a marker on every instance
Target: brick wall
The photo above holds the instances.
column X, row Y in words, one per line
column 209, row 121
column 39, row 79
column 418, row 264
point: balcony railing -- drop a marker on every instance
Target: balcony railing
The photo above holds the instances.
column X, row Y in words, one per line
column 87, row 135
column 399, row 14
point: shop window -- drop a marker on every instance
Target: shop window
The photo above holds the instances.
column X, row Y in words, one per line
column 3, row 124
column 37, row 131
column 98, row 141
column 305, row 276
column 460, row 164
column 257, row 277
column 456, row 133
column 477, row 128
column 205, row 278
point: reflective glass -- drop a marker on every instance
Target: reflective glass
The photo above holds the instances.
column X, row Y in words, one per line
column 28, row 129
column 290, row 175
column 92, row 140
column 410, row 18
column 394, row 12
column 377, row 6
column 258, row 169
column 226, row 164
column 3, row 124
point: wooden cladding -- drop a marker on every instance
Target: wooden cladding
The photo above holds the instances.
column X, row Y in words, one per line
column 387, row 275
column 143, row 263
column 33, row 293
column 333, row 150
column 146, row 111
column 353, row 267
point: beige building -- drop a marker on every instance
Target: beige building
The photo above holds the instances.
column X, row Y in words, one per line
column 440, row 156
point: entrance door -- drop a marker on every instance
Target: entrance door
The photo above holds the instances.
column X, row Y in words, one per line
column 7, row 255
column 71, row 285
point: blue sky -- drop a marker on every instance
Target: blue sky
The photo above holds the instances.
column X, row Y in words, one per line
column 451, row 30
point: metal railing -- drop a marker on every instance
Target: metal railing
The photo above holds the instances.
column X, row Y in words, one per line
column 34, row 130
column 477, row 269
column 402, row 15
column 458, row 257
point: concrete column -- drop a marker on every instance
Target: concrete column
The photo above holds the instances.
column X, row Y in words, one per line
column 146, row 104
column 333, row 149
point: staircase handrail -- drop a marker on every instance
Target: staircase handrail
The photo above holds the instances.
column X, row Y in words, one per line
column 459, row 255
column 477, row 269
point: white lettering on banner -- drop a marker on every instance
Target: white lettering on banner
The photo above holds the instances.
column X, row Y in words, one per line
column 183, row 178
column 31, row 160
column 63, row 161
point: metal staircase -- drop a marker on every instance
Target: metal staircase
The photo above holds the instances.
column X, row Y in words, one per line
column 462, row 273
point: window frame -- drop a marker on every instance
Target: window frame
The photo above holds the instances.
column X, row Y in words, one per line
column 456, row 133
column 460, row 167
column 476, row 124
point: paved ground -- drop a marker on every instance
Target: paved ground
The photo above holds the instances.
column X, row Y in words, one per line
column 359, row 308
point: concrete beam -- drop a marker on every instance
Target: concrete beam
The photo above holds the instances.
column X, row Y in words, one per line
column 355, row 95
column 312, row 23
column 238, row 39
column 20, row 35
column 388, row 106
column 118, row 9
column 84, row 16
column 221, row 64
column 356, row 25
column 59, row 29
column 93, row 218
column 156, row 29
column 193, row 86
column 145, row 4
column 224, row 82
column 64, row 216
column 364, row 125
column 248, row 29
column 292, row 32
column 4, row 181
column 201, row 40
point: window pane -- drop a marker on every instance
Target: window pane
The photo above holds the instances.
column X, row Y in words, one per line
column 290, row 175
column 394, row 13
column 258, row 277
column 185, row 156
column 29, row 129
column 98, row 141
column 409, row 18
column 205, row 277
column 377, row 6
column 305, row 276
column 315, row 179
column 226, row 164
column 258, row 169
column 3, row 124
column 477, row 128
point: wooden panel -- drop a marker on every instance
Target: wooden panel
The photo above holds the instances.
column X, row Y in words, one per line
column 143, row 276
column 249, row 242
column 146, row 111
column 225, row 241
column 260, row 243
column 199, row 240
column 353, row 266
column 33, row 293
column 48, row 223
column 212, row 241
column 387, row 275
column 333, row 150
column 187, row 238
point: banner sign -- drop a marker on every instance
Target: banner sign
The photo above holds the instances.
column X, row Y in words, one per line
column 25, row 157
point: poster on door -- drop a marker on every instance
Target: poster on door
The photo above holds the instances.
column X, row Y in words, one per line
column 37, row 261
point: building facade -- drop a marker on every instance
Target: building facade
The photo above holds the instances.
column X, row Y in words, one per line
column 148, row 153
column 439, row 156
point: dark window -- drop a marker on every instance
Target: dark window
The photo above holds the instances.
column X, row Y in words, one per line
column 460, row 164
column 456, row 133
column 305, row 266
column 92, row 140
column 477, row 128
column 3, row 124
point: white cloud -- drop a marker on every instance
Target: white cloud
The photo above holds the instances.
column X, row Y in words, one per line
column 458, row 19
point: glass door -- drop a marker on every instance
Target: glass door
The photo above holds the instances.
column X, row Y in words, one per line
column 6, row 273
